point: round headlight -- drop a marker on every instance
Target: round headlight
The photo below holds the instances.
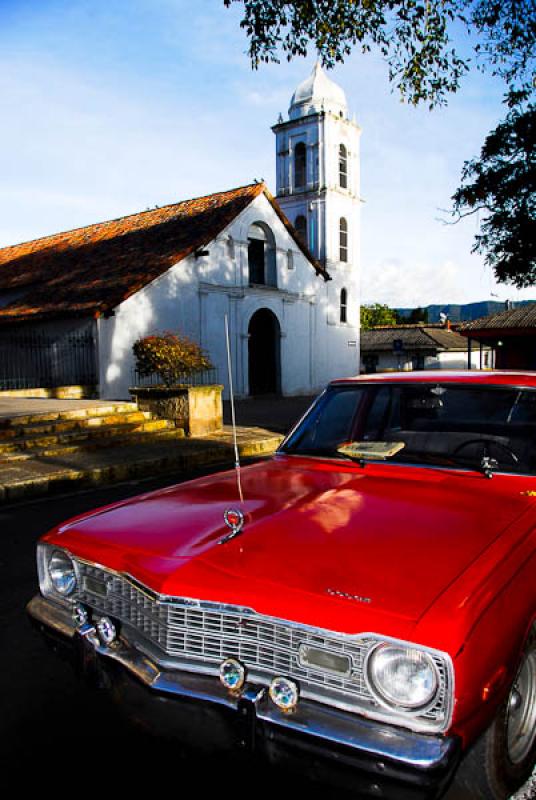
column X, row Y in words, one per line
column 402, row 676
column 62, row 573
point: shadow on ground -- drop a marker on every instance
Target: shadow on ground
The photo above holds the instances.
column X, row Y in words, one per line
column 272, row 412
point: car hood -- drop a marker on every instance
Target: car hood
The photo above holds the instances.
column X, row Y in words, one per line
column 377, row 543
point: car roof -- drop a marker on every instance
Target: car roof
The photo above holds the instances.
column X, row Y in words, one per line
column 482, row 377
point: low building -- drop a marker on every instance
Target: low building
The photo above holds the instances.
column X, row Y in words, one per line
column 72, row 304
column 413, row 347
column 510, row 333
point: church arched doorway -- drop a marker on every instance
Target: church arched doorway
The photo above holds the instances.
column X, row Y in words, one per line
column 264, row 336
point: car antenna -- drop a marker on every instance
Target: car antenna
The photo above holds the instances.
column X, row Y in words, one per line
column 233, row 420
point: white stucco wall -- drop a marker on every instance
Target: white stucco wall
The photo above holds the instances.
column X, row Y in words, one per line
column 442, row 360
column 194, row 295
column 458, row 360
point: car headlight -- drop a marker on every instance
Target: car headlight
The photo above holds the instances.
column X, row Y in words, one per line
column 402, row 676
column 61, row 572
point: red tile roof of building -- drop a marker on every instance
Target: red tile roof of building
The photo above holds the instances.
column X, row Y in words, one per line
column 523, row 317
column 413, row 337
column 91, row 270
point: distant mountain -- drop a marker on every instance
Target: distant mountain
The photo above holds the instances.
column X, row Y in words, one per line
column 468, row 311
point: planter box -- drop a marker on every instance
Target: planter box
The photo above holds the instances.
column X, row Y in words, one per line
column 196, row 409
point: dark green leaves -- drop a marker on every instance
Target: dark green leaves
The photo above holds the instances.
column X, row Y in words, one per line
column 412, row 36
column 501, row 184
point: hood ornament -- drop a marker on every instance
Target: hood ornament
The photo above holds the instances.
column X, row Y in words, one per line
column 234, row 519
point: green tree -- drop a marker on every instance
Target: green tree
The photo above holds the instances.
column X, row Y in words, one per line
column 376, row 314
column 415, row 38
column 418, row 315
column 501, row 184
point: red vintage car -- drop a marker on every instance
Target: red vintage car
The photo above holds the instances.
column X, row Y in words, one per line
column 365, row 598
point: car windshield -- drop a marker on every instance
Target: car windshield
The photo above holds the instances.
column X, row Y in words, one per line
column 443, row 424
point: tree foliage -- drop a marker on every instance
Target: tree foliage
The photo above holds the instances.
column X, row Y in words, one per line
column 377, row 314
column 501, row 184
column 417, row 315
column 171, row 356
column 507, row 43
column 416, row 39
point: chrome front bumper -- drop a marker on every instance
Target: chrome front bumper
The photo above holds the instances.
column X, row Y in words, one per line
column 385, row 749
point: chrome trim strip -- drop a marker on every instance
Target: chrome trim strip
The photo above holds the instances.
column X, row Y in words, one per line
column 57, row 617
column 338, row 698
column 212, row 605
column 376, row 740
column 413, row 719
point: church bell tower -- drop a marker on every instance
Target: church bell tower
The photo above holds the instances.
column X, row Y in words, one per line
column 317, row 177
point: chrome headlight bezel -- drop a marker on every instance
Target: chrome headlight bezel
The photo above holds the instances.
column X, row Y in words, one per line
column 48, row 586
column 383, row 694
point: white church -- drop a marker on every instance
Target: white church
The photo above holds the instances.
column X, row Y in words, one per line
column 284, row 269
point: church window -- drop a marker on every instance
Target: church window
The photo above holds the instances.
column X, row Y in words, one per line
column 343, row 240
column 344, row 305
column 261, row 255
column 290, row 259
column 300, row 165
column 343, row 167
column 301, row 228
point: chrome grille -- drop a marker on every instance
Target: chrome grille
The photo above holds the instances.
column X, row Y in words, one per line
column 199, row 635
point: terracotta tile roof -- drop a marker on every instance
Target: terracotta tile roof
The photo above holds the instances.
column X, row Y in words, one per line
column 90, row 270
column 414, row 337
column 521, row 317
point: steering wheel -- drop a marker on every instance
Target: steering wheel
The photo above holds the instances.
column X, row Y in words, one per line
column 485, row 448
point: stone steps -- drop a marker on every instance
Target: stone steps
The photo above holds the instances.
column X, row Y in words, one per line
column 92, row 444
column 89, row 438
column 90, row 412
column 17, row 430
column 66, row 432
column 57, row 451
column 167, row 452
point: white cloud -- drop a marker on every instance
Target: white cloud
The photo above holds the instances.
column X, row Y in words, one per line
column 114, row 108
column 402, row 284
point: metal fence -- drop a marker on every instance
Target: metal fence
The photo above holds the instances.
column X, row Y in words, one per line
column 31, row 359
column 204, row 377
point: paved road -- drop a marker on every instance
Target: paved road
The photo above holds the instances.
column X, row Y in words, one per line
column 52, row 730
column 274, row 413
column 56, row 733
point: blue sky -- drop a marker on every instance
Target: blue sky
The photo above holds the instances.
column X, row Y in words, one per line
column 112, row 107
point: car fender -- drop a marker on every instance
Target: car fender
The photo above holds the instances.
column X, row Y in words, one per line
column 486, row 664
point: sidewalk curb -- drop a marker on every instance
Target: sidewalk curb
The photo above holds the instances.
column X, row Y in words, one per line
column 71, row 479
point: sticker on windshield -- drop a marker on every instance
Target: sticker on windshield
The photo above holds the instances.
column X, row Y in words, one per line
column 372, row 450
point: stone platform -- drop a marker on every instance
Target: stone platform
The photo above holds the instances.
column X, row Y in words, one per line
column 64, row 446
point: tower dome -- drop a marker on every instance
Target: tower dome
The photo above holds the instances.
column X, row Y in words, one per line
column 317, row 93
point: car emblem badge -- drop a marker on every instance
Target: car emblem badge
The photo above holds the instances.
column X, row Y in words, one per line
column 234, row 519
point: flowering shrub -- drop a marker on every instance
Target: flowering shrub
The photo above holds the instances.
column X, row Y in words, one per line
column 171, row 355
